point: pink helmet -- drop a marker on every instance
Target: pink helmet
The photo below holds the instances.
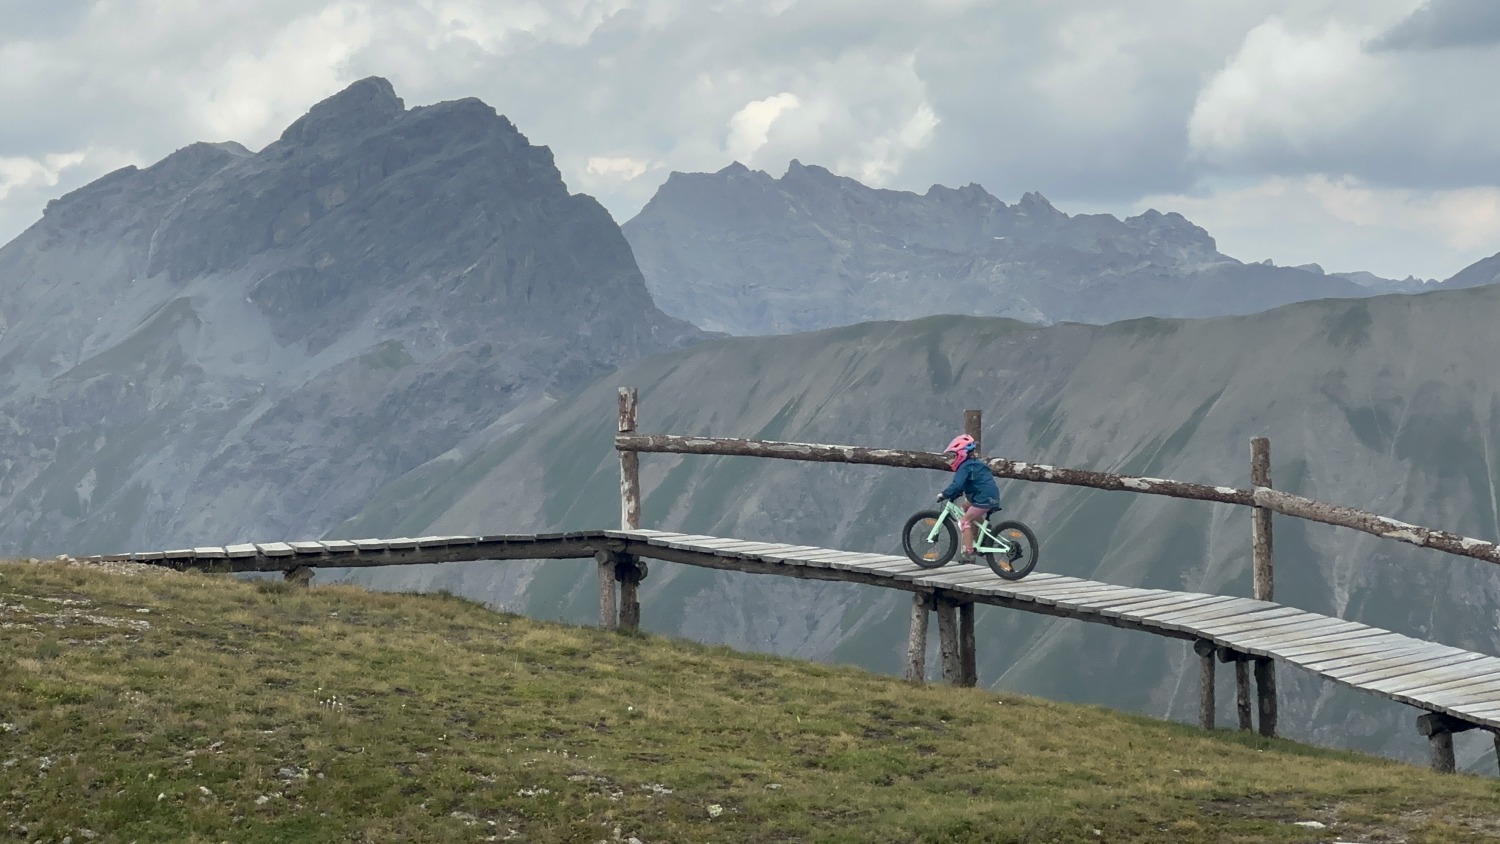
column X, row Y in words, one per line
column 962, row 446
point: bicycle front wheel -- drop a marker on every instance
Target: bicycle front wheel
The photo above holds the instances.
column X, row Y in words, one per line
column 1024, row 551
column 929, row 554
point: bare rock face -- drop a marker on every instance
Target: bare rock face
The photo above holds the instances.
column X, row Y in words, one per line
column 742, row 252
column 234, row 344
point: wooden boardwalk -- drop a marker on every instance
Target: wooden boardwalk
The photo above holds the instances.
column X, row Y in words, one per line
column 1451, row 682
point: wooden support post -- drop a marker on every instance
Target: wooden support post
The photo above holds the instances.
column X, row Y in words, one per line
column 1265, row 695
column 1260, row 522
column 1439, row 729
column 947, row 617
column 301, row 575
column 1263, row 579
column 609, row 610
column 916, row 639
column 1241, row 685
column 974, row 427
column 1441, row 746
column 1205, row 651
column 1496, row 737
column 630, row 465
column 630, row 571
column 969, row 668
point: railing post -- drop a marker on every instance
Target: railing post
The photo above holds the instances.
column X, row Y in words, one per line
column 609, row 609
column 968, row 668
column 1205, row 651
column 974, row 427
column 1260, row 534
column 630, row 466
column 916, row 639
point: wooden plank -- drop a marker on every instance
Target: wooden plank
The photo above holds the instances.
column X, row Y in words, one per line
column 1183, row 604
column 275, row 549
column 1263, row 620
column 1062, row 591
column 210, row 553
column 1349, row 638
column 1489, row 673
column 401, row 543
column 370, row 545
column 1474, row 694
column 1130, row 608
column 1449, row 668
column 147, row 556
column 1407, row 663
column 434, row 541
column 307, row 547
column 960, row 578
column 338, row 546
column 1298, row 631
column 1363, row 656
column 1268, row 644
column 1233, row 608
column 1114, row 608
column 1310, row 637
column 178, row 554
column 1110, row 597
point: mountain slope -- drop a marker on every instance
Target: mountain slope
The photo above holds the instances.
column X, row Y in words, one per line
column 742, row 252
column 1387, row 404
column 229, row 344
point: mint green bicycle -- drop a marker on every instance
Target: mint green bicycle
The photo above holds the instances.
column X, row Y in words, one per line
column 930, row 539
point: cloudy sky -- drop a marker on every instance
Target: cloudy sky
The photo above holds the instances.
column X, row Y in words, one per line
column 1354, row 134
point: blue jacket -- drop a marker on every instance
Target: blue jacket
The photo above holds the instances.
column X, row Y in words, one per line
column 974, row 480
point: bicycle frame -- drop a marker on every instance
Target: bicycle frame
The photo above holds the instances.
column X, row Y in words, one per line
column 992, row 544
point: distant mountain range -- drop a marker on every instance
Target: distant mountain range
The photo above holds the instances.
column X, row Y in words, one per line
column 745, row 253
column 230, row 344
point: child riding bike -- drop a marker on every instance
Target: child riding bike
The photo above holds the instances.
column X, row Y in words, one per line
column 973, row 480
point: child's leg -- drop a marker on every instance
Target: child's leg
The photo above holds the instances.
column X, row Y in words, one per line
column 971, row 515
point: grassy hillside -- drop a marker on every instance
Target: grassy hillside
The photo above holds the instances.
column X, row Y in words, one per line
column 182, row 707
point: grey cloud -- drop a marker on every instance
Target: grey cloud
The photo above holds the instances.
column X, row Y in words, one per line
column 1084, row 101
column 1444, row 23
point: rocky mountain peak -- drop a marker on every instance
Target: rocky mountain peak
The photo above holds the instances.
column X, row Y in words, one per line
column 367, row 104
column 1035, row 204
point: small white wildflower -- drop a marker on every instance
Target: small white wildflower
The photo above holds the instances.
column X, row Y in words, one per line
column 203, row 789
column 262, row 800
column 715, row 810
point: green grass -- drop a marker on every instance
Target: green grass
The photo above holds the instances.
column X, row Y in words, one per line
column 188, row 707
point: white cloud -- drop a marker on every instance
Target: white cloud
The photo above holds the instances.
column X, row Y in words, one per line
column 35, row 172
column 621, row 166
column 750, row 125
column 1092, row 106
column 1346, row 224
column 1290, row 90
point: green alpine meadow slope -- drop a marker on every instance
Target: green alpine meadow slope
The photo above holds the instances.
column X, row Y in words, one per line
column 1385, row 404
column 145, row 705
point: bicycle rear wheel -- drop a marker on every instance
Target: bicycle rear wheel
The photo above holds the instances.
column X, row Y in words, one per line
column 928, row 555
column 1022, row 558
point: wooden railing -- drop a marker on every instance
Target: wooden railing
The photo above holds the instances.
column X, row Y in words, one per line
column 1260, row 496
